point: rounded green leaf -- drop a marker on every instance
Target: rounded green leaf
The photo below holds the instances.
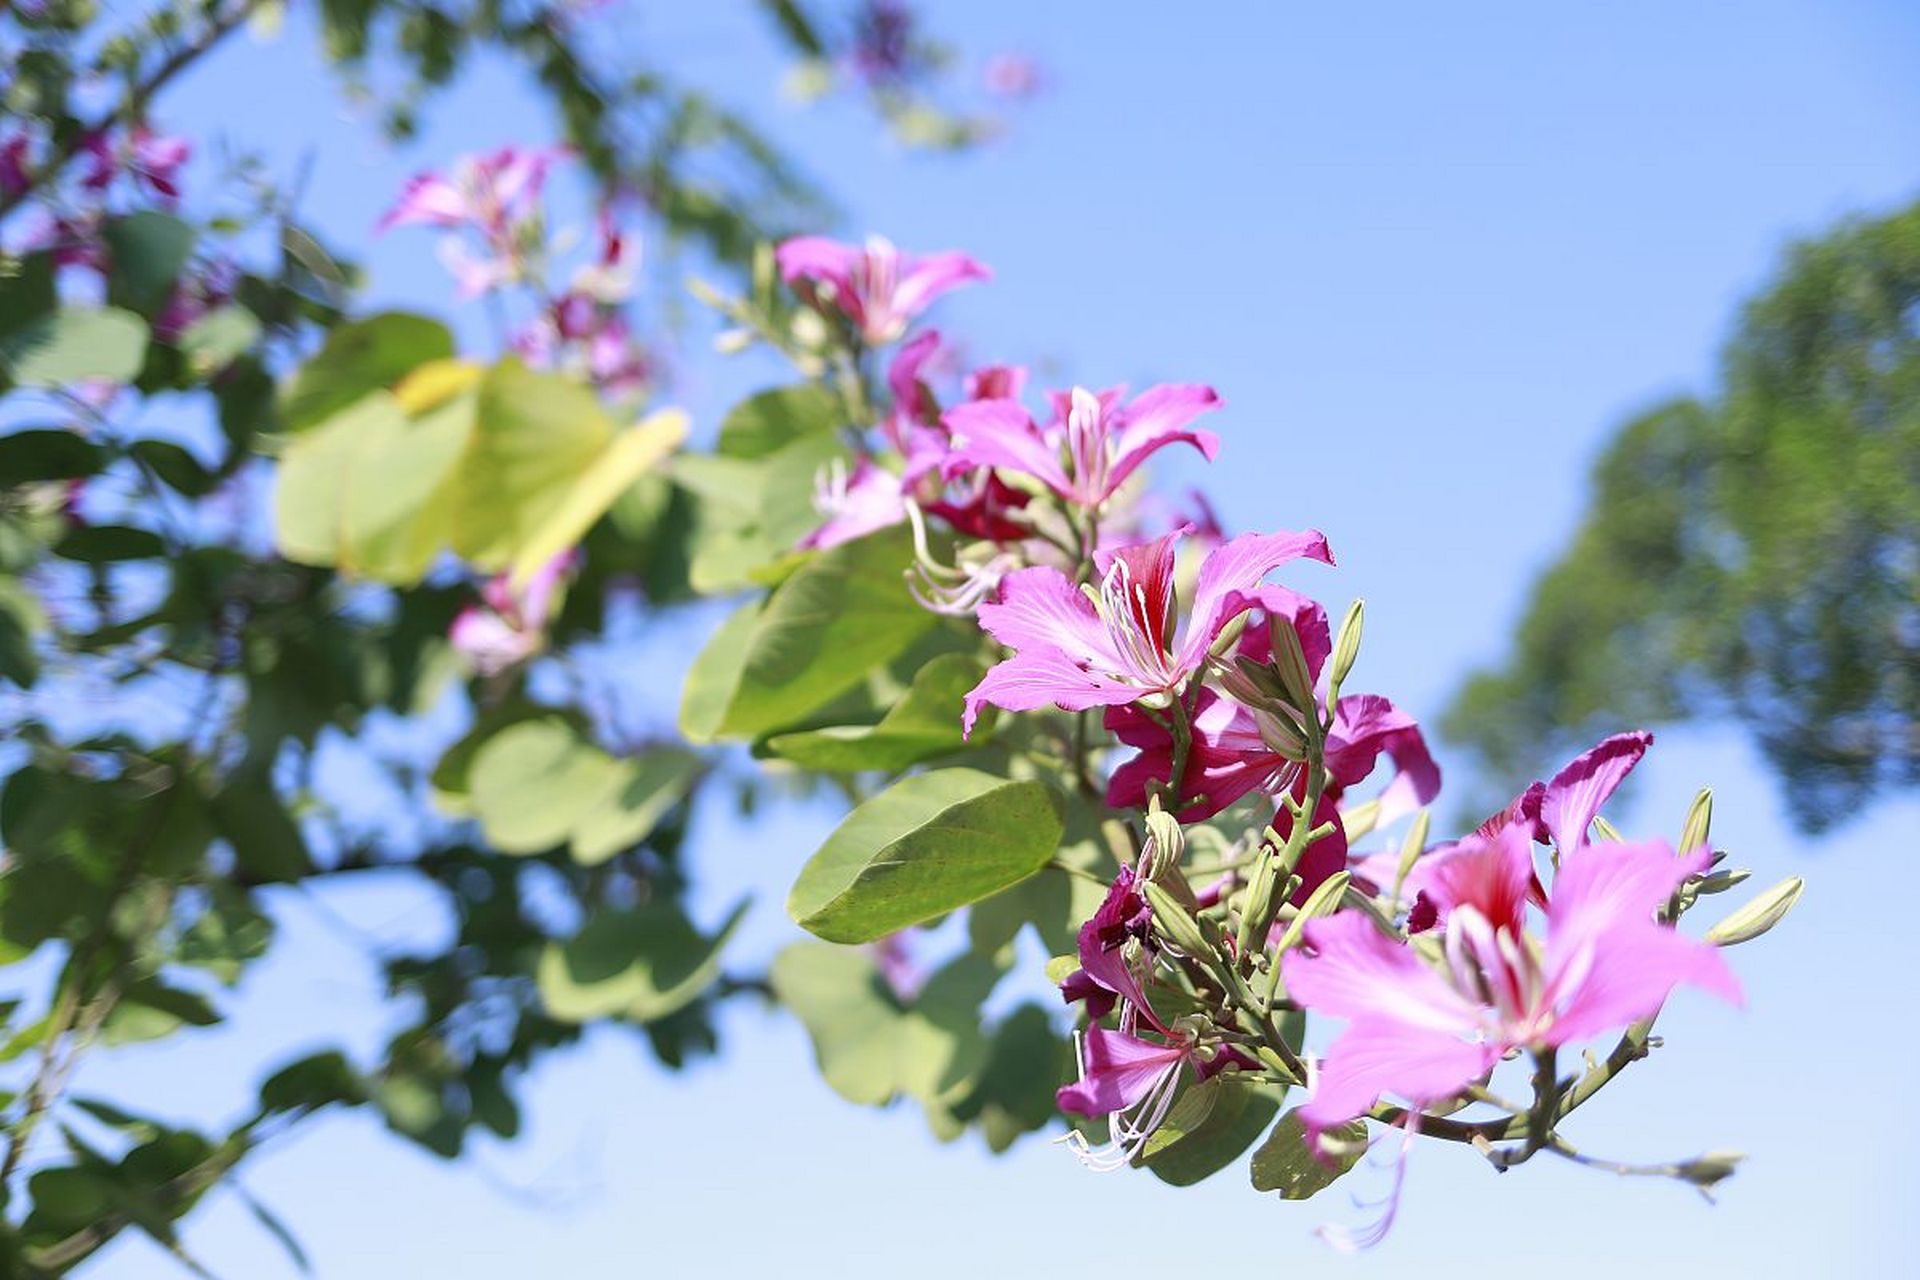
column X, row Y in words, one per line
column 642, row 965
column 1285, row 1163
column 72, row 346
column 534, row 782
column 926, row 846
column 922, row 724
column 368, row 355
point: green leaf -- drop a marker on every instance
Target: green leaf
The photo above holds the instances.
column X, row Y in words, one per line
column 926, row 846
column 265, row 839
column 533, row 782
column 535, row 436
column 1210, row 1127
column 368, row 355
column 109, row 543
column 149, row 1009
column 642, row 965
column 74, row 345
column 47, row 453
column 538, row 784
column 218, row 338
column 871, row 1047
column 1285, row 1163
column 148, row 251
column 1014, row 1091
column 315, row 1081
column 765, row 423
column 21, row 619
column 363, row 489
column 842, row 615
column 923, row 724
column 653, row 784
column 180, row 470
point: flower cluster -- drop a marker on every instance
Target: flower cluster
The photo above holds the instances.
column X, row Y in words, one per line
column 497, row 242
column 1223, row 699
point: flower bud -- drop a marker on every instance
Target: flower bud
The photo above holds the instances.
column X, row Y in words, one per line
column 1166, row 845
column 1709, row 1170
column 1411, row 848
column 1699, row 818
column 1321, row 902
column 1173, row 922
column 1347, row 647
column 1759, row 915
column 1290, row 664
column 1257, row 913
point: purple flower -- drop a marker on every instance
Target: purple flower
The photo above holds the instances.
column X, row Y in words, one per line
column 507, row 628
column 1123, row 646
column 1236, row 749
column 1093, row 443
column 491, row 191
column 14, row 177
column 1423, row 1031
column 876, row 287
column 855, row 504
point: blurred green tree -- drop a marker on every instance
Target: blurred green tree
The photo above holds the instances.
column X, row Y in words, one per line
column 1755, row 556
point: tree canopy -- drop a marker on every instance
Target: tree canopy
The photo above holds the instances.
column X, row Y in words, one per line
column 1752, row 555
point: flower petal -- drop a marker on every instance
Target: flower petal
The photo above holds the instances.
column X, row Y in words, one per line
column 1355, row 971
column 1000, row 433
column 1116, row 1071
column 1228, row 577
column 1377, row 1056
column 1158, row 417
column 1574, row 795
column 926, row 278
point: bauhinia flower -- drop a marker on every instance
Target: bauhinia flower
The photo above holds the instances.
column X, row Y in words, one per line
column 509, row 627
column 492, row 192
column 1121, row 643
column 1559, row 811
column 1093, row 444
column 1236, row 749
column 1423, row 1030
column 875, row 286
column 1131, row 1074
column 855, row 503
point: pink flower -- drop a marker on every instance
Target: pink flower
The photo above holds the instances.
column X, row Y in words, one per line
column 996, row 382
column 508, row 628
column 157, row 161
column 1105, row 973
column 1423, row 1031
column 1093, row 444
column 14, row 177
column 1074, row 653
column 1236, row 749
column 855, row 505
column 876, row 287
column 1558, row 811
column 490, row 191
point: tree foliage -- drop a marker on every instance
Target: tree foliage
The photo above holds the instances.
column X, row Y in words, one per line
column 1753, row 556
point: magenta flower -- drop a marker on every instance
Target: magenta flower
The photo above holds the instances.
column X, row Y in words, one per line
column 507, row 628
column 1237, row 749
column 1105, row 973
column 1423, row 1031
column 492, row 192
column 1093, row 443
column 1558, row 811
column 876, row 287
column 1074, row 652
column 157, row 160
column 14, row 177
column 855, row 504
column 1125, row 1075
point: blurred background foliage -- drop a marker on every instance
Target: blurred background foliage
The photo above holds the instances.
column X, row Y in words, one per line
column 1753, row 555
column 176, row 665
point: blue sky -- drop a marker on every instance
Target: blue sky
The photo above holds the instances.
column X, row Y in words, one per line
column 1429, row 255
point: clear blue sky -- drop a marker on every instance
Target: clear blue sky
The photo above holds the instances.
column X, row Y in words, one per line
column 1429, row 254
